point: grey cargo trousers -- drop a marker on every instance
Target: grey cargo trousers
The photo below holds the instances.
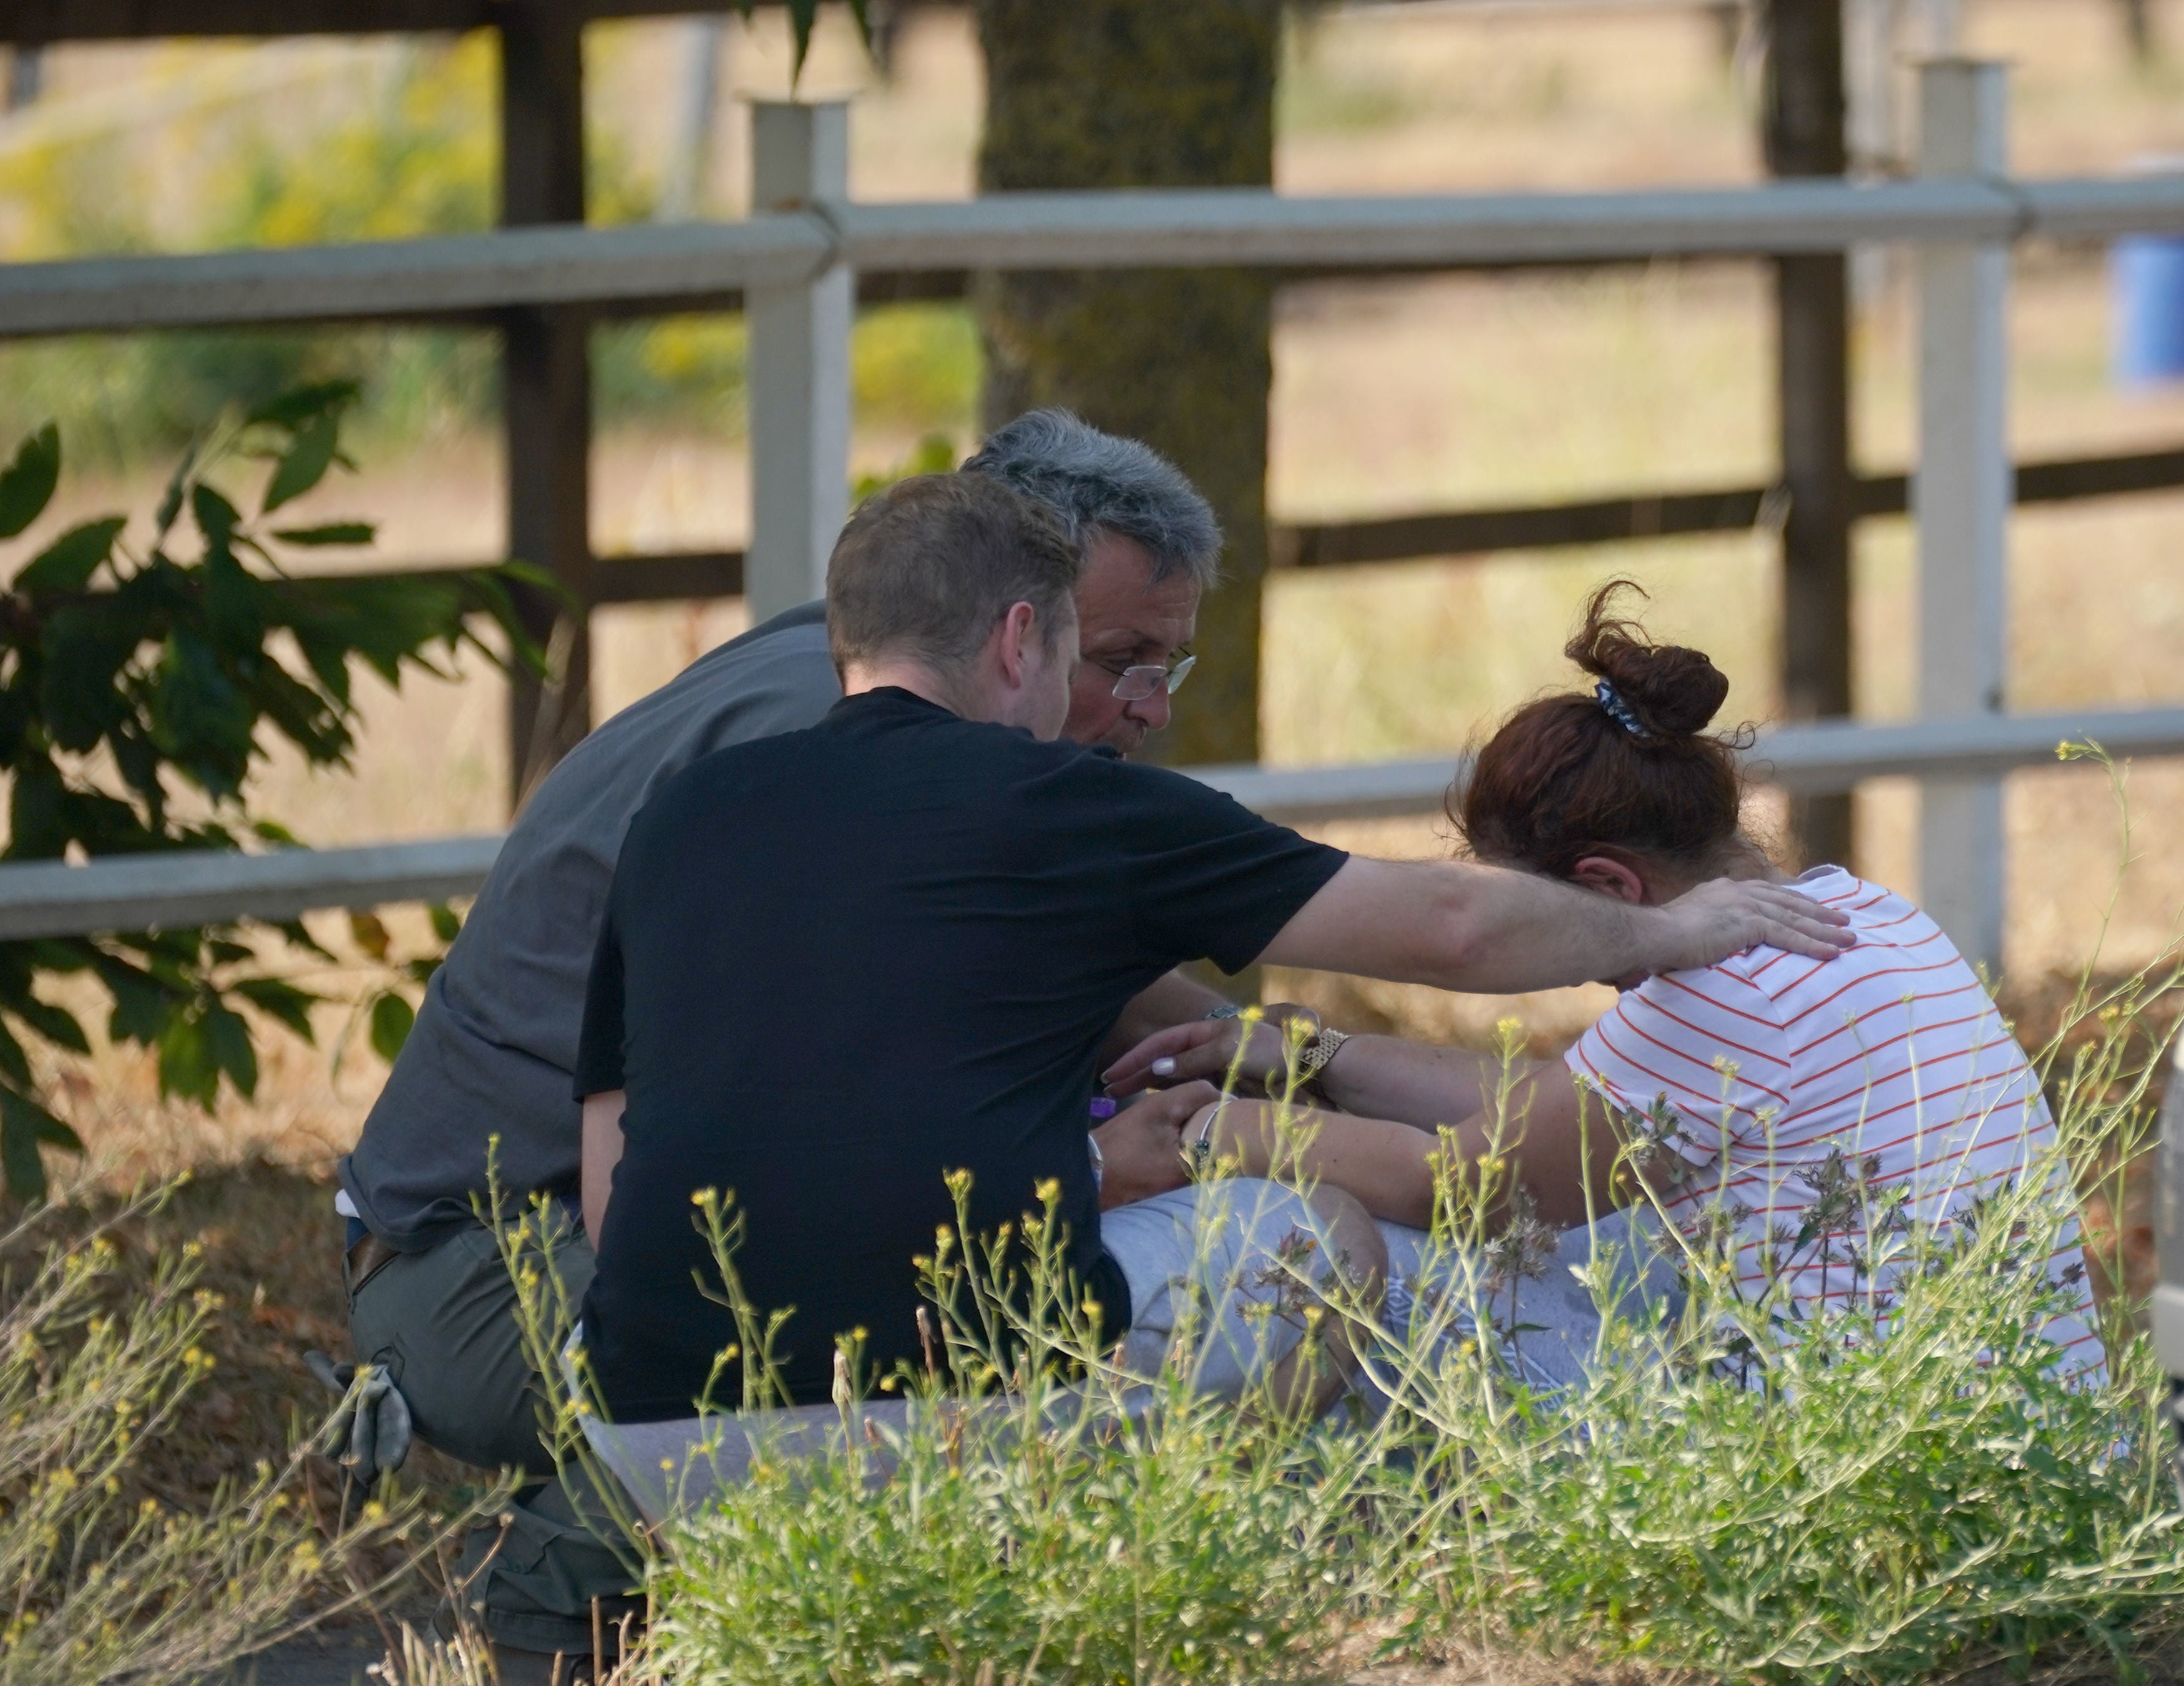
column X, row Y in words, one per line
column 442, row 1323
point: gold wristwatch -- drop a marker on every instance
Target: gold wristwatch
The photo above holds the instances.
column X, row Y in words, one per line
column 1314, row 1053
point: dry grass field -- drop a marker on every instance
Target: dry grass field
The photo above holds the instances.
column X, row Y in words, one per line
column 1390, row 397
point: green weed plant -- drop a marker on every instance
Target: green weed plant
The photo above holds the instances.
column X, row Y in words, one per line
column 1894, row 1491
column 107, row 1582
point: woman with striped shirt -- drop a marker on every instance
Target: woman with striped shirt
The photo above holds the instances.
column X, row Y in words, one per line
column 1786, row 1097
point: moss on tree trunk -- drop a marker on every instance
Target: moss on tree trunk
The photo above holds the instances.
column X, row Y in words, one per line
column 1147, row 93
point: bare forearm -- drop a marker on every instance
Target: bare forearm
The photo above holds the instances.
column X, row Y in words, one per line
column 1506, row 933
column 1383, row 1076
column 1565, row 1160
column 1388, row 1166
column 1171, row 999
column 1458, row 924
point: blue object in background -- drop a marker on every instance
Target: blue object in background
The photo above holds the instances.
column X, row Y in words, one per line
column 2146, row 271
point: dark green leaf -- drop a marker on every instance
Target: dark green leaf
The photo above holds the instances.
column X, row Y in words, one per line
column 302, row 715
column 54, row 954
column 38, row 813
column 328, row 658
column 142, row 1008
column 55, row 1024
column 305, row 464
column 26, row 484
column 421, row 971
column 19, row 1158
column 15, row 719
column 55, row 1133
column 391, row 1018
column 170, row 501
column 69, row 562
column 15, row 1064
column 199, row 718
column 217, row 518
column 84, row 646
column 138, row 758
column 278, row 999
column 299, row 934
column 524, row 574
column 186, row 1067
column 235, row 614
column 334, row 532
column 302, row 404
column 803, row 15
column 227, row 1040
column 446, row 924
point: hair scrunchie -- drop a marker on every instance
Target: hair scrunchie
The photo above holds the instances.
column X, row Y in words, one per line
column 1611, row 704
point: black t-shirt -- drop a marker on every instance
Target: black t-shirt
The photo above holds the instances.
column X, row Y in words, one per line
column 839, row 963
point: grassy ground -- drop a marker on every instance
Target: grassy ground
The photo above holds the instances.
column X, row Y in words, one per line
column 264, row 1237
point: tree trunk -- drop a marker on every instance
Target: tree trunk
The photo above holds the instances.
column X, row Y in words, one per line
column 1146, row 93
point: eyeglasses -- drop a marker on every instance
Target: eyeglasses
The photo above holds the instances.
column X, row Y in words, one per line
column 1135, row 684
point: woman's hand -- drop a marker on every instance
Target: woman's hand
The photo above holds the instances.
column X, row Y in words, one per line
column 1141, row 1146
column 1206, row 1049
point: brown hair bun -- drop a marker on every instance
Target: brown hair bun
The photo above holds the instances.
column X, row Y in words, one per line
column 1636, row 770
column 1674, row 691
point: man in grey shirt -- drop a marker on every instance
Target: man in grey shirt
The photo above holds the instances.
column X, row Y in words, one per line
column 487, row 1074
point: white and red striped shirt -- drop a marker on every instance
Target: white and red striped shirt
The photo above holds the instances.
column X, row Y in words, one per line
column 1892, row 1052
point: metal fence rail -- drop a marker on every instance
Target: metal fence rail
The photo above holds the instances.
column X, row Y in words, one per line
column 172, row 891
column 659, row 265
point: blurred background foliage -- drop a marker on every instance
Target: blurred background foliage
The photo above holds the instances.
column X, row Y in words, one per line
column 413, row 154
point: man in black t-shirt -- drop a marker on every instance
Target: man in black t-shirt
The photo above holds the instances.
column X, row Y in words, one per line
column 942, row 911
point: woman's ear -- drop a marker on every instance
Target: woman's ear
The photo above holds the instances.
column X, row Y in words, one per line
column 1611, row 877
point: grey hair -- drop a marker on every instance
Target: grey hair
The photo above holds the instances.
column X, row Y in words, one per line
column 1096, row 483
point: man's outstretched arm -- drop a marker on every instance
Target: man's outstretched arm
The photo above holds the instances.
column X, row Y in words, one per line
column 1488, row 930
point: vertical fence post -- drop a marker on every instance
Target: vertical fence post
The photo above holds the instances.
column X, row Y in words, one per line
column 1804, row 136
column 547, row 396
column 1961, row 498
column 799, row 366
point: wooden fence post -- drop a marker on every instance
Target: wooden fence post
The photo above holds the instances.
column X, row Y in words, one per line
column 547, row 393
column 799, row 366
column 1961, row 496
column 1805, row 136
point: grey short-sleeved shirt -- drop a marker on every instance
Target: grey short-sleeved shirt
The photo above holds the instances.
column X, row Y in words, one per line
column 495, row 1045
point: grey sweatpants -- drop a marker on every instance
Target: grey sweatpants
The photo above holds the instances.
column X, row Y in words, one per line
column 442, row 1323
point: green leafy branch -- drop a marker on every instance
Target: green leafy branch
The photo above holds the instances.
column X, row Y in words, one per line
column 139, row 685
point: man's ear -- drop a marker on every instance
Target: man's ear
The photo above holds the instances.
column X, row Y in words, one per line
column 1611, row 877
column 1017, row 628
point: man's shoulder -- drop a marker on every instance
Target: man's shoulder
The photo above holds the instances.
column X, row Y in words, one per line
column 778, row 675
column 775, row 678
column 734, row 764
